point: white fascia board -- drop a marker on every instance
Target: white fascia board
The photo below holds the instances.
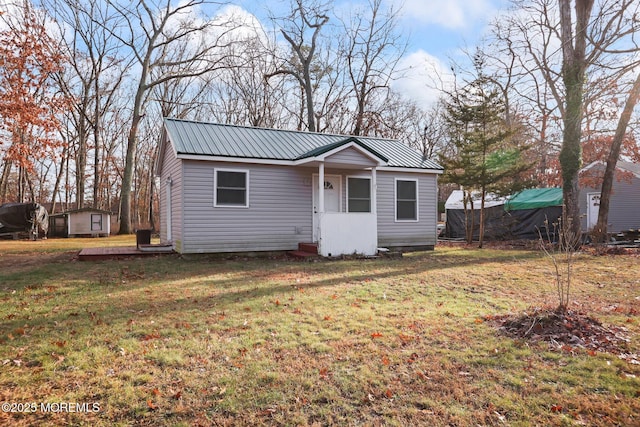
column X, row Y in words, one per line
column 351, row 144
column 411, row 170
column 205, row 157
column 166, row 139
column 209, row 158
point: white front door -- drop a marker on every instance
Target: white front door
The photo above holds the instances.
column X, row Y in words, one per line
column 332, row 200
column 593, row 208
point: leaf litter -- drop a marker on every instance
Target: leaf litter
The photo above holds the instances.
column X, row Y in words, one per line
column 570, row 331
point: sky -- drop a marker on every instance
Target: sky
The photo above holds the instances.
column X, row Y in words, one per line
column 437, row 31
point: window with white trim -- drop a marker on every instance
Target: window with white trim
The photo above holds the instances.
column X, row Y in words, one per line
column 231, row 188
column 406, row 200
column 358, row 194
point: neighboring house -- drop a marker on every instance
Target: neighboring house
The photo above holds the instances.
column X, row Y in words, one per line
column 80, row 222
column 624, row 206
column 240, row 189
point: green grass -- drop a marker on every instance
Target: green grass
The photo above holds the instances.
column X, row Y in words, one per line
column 206, row 341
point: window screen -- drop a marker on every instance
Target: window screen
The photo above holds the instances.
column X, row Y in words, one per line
column 359, row 190
column 406, row 200
column 231, row 188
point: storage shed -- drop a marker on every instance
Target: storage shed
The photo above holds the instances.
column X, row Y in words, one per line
column 531, row 211
column 457, row 218
column 624, row 205
column 519, row 216
column 84, row 222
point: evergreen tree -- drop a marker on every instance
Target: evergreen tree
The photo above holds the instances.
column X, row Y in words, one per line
column 487, row 158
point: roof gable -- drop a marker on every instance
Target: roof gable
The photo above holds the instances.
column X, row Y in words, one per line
column 335, row 147
column 630, row 167
column 190, row 138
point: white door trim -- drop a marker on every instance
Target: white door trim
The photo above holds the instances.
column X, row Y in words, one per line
column 169, row 219
column 592, row 217
column 315, row 195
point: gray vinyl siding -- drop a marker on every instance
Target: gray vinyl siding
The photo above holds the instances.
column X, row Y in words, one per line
column 404, row 233
column 279, row 214
column 351, row 156
column 392, row 233
column 80, row 223
column 624, row 206
column 171, row 168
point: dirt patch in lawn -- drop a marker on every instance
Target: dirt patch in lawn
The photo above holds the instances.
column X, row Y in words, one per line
column 13, row 263
column 568, row 331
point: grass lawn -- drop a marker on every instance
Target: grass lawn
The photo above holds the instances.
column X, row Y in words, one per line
column 205, row 341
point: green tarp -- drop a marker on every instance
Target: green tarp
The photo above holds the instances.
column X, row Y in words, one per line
column 534, row 198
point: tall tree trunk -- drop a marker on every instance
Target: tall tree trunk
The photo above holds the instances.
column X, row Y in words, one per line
column 20, row 184
column 4, row 180
column 571, row 152
column 132, row 148
column 127, row 178
column 97, row 118
column 574, row 64
column 612, row 159
column 81, row 162
column 56, row 186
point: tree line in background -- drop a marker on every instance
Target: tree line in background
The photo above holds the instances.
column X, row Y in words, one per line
column 84, row 86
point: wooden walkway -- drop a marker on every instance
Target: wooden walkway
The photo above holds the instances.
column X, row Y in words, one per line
column 118, row 252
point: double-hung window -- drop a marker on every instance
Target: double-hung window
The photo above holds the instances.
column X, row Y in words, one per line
column 231, row 188
column 358, row 194
column 406, row 200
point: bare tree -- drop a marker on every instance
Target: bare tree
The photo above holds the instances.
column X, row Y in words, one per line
column 574, row 60
column 301, row 29
column 612, row 159
column 373, row 46
column 242, row 94
column 573, row 38
column 168, row 42
column 93, row 78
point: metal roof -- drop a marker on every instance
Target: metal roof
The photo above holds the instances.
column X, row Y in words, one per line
column 212, row 139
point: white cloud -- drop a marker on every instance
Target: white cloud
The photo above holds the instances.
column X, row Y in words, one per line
column 451, row 14
column 422, row 77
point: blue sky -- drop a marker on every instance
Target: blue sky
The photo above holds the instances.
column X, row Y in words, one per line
column 437, row 31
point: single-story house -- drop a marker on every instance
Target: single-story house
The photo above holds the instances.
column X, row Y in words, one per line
column 227, row 188
column 80, row 222
column 624, row 205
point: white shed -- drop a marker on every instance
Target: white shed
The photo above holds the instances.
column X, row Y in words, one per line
column 81, row 222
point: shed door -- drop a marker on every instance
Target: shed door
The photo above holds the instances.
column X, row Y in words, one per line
column 593, row 208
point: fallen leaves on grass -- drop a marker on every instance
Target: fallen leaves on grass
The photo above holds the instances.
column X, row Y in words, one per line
column 567, row 331
column 151, row 336
column 324, row 373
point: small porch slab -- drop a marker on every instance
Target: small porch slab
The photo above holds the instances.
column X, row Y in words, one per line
column 119, row 252
column 305, row 251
